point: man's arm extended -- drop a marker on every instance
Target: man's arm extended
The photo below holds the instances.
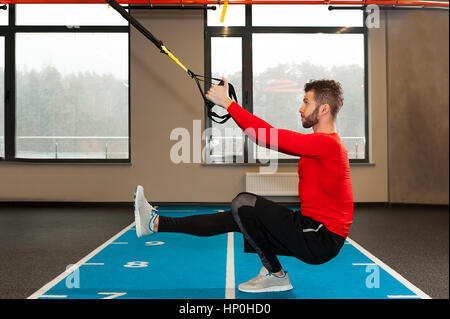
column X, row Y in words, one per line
column 284, row 141
column 263, row 134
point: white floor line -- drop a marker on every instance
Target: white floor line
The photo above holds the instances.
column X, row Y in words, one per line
column 112, row 295
column 230, row 283
column 403, row 297
column 389, row 270
column 51, row 284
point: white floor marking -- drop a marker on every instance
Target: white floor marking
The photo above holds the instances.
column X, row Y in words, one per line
column 52, row 283
column 119, row 243
column 389, row 270
column 229, row 288
column 112, row 295
column 403, row 297
column 154, row 243
column 230, row 273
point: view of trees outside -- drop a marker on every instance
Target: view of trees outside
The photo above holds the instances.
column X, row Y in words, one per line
column 72, row 96
column 278, row 82
column 71, row 88
column 282, row 65
column 278, row 95
column 279, row 79
column 226, row 60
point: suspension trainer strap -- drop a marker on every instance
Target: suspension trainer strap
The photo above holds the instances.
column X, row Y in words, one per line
column 209, row 105
column 159, row 44
column 135, row 23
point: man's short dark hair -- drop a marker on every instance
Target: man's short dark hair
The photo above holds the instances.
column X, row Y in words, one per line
column 327, row 92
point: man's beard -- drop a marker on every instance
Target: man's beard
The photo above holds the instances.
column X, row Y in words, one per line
column 312, row 119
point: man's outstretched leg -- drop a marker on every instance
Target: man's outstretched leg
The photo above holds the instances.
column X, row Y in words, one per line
column 149, row 222
column 242, row 217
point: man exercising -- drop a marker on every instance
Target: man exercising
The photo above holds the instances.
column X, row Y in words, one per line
column 316, row 233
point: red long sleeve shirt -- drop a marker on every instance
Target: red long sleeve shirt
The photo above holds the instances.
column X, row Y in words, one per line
column 325, row 187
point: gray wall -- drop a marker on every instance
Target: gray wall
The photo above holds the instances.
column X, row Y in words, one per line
column 163, row 98
column 418, row 105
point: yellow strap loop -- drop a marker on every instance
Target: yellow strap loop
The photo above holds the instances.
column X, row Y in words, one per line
column 225, row 5
column 174, row 58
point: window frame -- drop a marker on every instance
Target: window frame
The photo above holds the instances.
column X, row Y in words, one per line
column 246, row 32
column 9, row 33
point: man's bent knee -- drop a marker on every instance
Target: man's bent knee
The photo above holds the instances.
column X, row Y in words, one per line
column 243, row 199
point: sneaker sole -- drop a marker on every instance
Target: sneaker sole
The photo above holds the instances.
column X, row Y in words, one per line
column 268, row 289
column 137, row 218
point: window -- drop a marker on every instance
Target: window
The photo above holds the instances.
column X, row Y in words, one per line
column 226, row 60
column 235, row 16
column 282, row 47
column 71, row 100
column 2, row 96
column 75, row 109
column 3, row 22
column 304, row 16
column 68, row 15
column 3, row 15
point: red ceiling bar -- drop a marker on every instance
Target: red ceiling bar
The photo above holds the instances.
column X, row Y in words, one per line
column 256, row 2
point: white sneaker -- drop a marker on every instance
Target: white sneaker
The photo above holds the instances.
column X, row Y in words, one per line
column 144, row 214
column 267, row 282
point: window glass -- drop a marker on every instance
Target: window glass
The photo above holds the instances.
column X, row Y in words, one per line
column 279, row 77
column 72, row 95
column 2, row 96
column 234, row 16
column 304, row 16
column 3, row 16
column 71, row 15
column 226, row 60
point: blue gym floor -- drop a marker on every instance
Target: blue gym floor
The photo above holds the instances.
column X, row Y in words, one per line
column 179, row 266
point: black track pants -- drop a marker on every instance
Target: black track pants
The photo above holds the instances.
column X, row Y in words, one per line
column 269, row 229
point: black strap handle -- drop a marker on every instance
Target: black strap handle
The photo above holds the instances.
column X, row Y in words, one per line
column 220, row 119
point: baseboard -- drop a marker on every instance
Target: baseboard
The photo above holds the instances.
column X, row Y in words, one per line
column 387, row 204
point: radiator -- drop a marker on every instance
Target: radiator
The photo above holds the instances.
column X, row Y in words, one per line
column 279, row 184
